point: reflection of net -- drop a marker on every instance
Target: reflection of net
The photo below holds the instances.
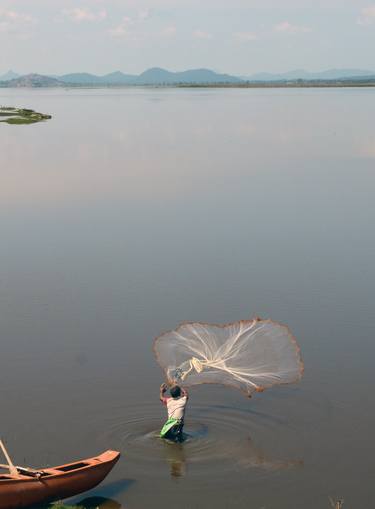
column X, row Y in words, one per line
column 250, row 355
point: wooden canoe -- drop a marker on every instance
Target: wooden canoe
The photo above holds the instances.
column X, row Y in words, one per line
column 19, row 490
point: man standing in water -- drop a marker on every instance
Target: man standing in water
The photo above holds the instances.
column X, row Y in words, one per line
column 176, row 404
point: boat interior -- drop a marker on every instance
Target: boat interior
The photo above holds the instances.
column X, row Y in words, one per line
column 23, row 473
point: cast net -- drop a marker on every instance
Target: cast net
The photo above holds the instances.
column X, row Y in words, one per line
column 250, row 355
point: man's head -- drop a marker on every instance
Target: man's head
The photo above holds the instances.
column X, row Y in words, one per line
column 175, row 391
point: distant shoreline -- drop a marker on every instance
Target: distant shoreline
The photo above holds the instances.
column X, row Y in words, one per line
column 193, row 78
column 242, row 85
column 305, row 84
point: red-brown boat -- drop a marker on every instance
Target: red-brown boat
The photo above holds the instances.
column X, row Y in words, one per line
column 24, row 487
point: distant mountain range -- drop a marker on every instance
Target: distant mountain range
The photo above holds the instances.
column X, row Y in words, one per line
column 158, row 76
column 154, row 76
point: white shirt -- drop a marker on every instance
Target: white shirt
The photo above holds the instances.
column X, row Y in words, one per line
column 176, row 407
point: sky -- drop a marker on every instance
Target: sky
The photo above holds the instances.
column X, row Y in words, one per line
column 239, row 37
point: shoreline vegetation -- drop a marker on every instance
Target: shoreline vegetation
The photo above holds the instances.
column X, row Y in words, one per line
column 288, row 84
column 20, row 116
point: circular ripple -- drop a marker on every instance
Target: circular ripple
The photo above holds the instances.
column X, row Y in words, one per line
column 218, row 439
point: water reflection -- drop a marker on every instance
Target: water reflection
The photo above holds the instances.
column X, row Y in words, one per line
column 255, row 457
column 235, row 131
column 245, row 454
column 176, row 458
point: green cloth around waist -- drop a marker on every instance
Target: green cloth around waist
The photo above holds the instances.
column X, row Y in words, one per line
column 169, row 425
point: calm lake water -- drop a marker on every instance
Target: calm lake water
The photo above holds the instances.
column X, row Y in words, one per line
column 133, row 210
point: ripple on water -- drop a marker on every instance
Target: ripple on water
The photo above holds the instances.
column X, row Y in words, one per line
column 218, row 439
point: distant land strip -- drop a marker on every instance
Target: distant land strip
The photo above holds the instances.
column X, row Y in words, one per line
column 284, row 84
column 157, row 77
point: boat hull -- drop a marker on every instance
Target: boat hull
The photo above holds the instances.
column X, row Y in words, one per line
column 60, row 482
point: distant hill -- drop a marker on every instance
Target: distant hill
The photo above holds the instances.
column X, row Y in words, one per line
column 154, row 76
column 118, row 78
column 331, row 74
column 157, row 76
column 10, row 75
column 33, row 80
column 84, row 78
column 81, row 78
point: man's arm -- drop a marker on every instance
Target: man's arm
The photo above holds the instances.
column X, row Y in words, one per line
column 163, row 390
column 184, row 393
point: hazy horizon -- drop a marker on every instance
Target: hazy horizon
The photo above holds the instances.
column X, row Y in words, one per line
column 238, row 37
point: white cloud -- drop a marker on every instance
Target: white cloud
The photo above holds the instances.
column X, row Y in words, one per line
column 367, row 16
column 82, row 14
column 131, row 27
column 201, row 34
column 123, row 29
column 287, row 28
column 245, row 36
column 13, row 21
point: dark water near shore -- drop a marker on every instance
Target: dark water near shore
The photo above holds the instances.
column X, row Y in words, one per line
column 133, row 210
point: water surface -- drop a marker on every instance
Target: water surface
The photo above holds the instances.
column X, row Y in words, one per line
column 133, row 210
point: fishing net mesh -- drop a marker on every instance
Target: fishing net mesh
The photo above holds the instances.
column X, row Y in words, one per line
column 250, row 355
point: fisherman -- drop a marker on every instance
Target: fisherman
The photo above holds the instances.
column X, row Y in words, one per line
column 176, row 404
